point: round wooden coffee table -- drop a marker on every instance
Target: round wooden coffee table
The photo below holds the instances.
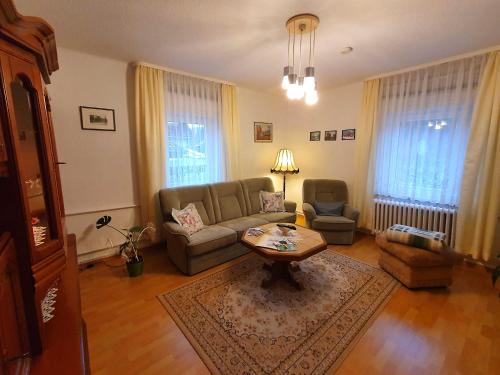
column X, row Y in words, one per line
column 309, row 243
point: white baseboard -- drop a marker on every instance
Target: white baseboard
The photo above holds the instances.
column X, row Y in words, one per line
column 96, row 255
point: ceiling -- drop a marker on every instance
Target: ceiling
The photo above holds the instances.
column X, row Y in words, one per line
column 246, row 41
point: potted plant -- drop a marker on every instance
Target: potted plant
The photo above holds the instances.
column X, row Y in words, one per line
column 128, row 249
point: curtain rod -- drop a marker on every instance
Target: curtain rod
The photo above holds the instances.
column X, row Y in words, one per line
column 165, row 69
column 436, row 62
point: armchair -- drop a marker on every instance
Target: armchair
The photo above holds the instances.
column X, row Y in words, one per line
column 336, row 229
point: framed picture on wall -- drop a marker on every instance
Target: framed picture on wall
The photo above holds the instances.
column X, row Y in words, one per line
column 92, row 118
column 348, row 134
column 330, row 135
column 315, row 136
column 262, row 132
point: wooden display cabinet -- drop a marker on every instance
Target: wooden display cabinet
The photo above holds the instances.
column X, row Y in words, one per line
column 38, row 270
column 3, row 156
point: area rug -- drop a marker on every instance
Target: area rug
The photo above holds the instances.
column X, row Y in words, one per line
column 237, row 327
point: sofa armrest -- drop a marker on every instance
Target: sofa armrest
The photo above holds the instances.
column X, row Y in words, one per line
column 351, row 213
column 290, row 206
column 175, row 230
column 177, row 241
column 309, row 213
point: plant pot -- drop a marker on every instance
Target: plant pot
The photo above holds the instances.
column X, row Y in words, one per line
column 135, row 268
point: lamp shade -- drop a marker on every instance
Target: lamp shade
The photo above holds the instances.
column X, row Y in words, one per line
column 284, row 162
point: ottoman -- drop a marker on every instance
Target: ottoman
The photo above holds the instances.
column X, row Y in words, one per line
column 414, row 267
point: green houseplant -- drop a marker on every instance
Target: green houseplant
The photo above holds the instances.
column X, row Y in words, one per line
column 128, row 249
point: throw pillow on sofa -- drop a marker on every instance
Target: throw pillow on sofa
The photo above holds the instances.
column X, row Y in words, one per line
column 272, row 202
column 188, row 218
column 329, row 208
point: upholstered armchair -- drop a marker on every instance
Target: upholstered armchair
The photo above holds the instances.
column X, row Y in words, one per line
column 339, row 229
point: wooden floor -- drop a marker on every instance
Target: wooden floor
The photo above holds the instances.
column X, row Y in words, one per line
column 454, row 331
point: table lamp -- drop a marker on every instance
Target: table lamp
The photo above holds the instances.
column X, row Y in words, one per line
column 284, row 164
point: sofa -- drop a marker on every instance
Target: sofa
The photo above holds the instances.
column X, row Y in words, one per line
column 337, row 230
column 227, row 209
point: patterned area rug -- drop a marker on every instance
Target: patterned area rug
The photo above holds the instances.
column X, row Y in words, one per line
column 239, row 328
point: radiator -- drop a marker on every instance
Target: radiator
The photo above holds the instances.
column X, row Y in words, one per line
column 389, row 212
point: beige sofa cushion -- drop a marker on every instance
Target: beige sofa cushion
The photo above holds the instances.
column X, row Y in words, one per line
column 180, row 197
column 277, row 217
column 333, row 223
column 251, row 188
column 242, row 224
column 210, row 238
column 229, row 201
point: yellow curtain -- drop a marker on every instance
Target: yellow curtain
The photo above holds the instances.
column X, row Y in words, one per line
column 150, row 141
column 362, row 191
column 479, row 204
column 231, row 126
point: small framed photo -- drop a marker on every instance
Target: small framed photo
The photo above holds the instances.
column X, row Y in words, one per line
column 330, row 135
column 92, row 118
column 348, row 134
column 262, row 132
column 315, row 136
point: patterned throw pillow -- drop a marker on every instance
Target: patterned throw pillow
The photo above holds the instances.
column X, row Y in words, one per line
column 271, row 202
column 188, row 218
column 423, row 239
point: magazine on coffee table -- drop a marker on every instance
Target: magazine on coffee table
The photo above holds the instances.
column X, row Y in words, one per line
column 279, row 243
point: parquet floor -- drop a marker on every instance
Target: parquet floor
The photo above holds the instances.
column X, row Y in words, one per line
column 454, row 331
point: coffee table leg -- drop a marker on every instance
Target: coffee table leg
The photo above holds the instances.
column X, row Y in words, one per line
column 293, row 282
column 294, row 267
column 280, row 270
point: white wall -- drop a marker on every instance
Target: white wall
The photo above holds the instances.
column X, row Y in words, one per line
column 337, row 109
column 98, row 177
column 256, row 159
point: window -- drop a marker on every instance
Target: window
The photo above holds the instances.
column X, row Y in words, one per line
column 424, row 120
column 194, row 131
column 187, row 162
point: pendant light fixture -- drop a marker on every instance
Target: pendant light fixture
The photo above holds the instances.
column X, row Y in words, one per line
column 301, row 83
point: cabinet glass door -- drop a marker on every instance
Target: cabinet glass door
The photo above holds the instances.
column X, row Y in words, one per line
column 30, row 157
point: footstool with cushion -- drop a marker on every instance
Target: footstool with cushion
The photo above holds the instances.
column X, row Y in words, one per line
column 415, row 267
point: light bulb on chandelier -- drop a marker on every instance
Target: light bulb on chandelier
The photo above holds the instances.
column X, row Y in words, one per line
column 285, row 83
column 311, row 97
column 292, row 86
column 300, row 89
column 309, row 80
